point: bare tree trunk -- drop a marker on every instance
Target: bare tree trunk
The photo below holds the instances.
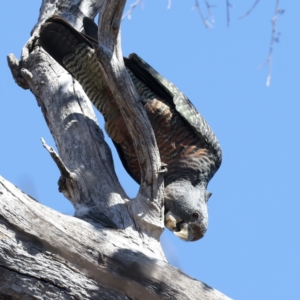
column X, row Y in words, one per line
column 111, row 250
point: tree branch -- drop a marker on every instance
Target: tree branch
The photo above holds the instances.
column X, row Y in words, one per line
column 109, row 54
column 92, row 185
column 45, row 253
column 274, row 38
column 128, row 13
column 248, row 12
column 206, row 23
column 228, row 7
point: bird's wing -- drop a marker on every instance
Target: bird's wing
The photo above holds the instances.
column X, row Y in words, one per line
column 167, row 90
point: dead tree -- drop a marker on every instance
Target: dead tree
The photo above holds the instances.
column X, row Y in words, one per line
column 47, row 255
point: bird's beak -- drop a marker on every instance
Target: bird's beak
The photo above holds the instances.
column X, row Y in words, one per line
column 198, row 231
column 185, row 231
column 171, row 220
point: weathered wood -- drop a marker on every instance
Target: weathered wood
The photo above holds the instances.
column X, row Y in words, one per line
column 147, row 207
column 43, row 252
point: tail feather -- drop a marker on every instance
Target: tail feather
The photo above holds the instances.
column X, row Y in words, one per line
column 90, row 29
column 59, row 38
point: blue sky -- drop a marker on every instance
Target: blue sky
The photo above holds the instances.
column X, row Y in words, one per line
column 251, row 249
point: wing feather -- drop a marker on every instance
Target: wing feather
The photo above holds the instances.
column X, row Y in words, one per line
column 167, row 90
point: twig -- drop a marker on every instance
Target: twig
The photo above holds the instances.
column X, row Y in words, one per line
column 61, row 166
column 208, row 6
column 131, row 8
column 250, row 10
column 197, row 6
column 204, row 20
column 228, row 6
column 274, row 38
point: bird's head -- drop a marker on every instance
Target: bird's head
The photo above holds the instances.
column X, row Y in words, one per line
column 186, row 210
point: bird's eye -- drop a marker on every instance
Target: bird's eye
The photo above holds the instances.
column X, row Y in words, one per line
column 195, row 215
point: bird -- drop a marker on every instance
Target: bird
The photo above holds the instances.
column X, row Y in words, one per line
column 186, row 143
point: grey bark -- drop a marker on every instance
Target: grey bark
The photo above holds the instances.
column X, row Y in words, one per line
column 47, row 255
